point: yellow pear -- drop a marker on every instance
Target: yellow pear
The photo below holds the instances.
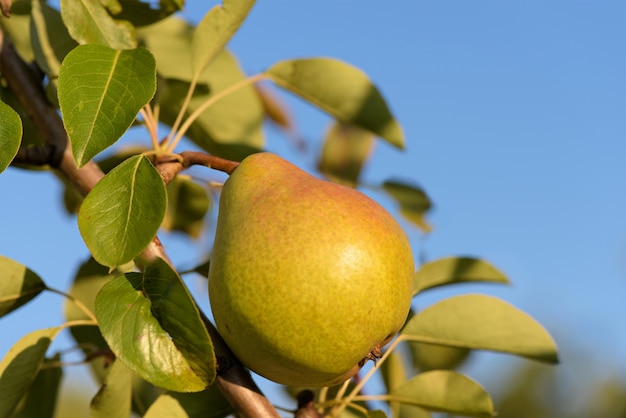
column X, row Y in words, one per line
column 308, row 279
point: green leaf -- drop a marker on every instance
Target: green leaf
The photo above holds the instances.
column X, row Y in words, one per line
column 50, row 38
column 123, row 212
column 455, row 270
column 232, row 127
column 89, row 22
column 114, row 397
column 143, row 13
column 482, row 322
column 376, row 414
column 18, row 285
column 445, row 391
column 428, row 357
column 19, row 367
column 10, row 135
column 215, row 30
column 345, row 149
column 101, row 90
column 16, row 29
column 206, row 404
column 88, row 281
column 414, row 202
column 188, row 203
column 394, row 374
column 152, row 325
column 342, row 90
column 41, row 397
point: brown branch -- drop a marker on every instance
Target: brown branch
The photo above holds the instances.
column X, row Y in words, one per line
column 169, row 168
column 234, row 382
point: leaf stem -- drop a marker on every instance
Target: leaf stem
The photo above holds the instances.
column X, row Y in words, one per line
column 80, row 305
column 181, row 112
column 171, row 145
column 151, row 126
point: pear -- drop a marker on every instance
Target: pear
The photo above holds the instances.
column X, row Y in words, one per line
column 308, row 279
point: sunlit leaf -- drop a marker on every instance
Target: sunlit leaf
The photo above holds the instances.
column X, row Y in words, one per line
column 445, row 391
column 18, row 285
column 454, row 270
column 101, row 90
column 51, row 41
column 10, row 135
column 19, row 367
column 188, row 203
column 123, row 212
column 89, row 22
column 345, row 150
column 215, row 30
column 114, row 397
column 482, row 322
column 41, row 397
column 152, row 325
column 342, row 90
column 414, row 202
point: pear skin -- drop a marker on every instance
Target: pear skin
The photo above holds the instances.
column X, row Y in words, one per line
column 308, row 279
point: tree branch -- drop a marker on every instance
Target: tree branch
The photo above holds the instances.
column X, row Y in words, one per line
column 235, row 382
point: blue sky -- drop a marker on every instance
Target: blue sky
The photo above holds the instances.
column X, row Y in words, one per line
column 514, row 119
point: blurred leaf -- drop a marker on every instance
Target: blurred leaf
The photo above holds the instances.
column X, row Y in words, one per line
column 445, row 391
column 455, row 270
column 206, row 404
column 394, row 374
column 188, row 203
column 88, row 281
column 276, row 111
column 89, row 22
column 376, row 414
column 232, row 127
column 101, row 90
column 215, row 30
column 145, row 13
column 10, row 135
column 342, row 90
column 428, row 357
column 414, row 202
column 123, row 212
column 41, row 397
column 482, row 322
column 50, row 38
column 345, row 149
column 18, row 285
column 19, row 367
column 169, row 41
column 16, row 28
column 152, row 325
column 114, row 397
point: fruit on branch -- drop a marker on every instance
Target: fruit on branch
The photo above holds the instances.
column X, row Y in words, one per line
column 308, row 279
